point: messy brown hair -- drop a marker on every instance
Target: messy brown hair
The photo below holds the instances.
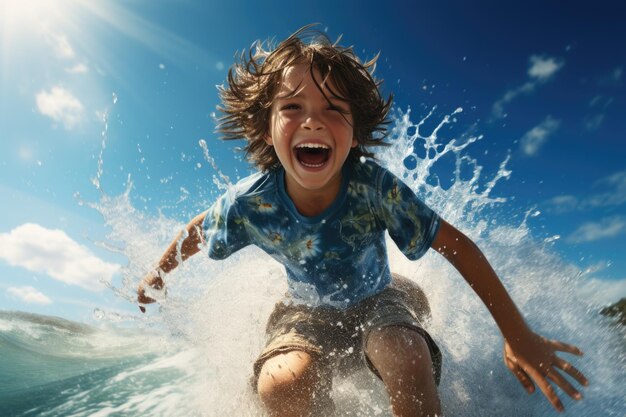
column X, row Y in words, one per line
column 254, row 82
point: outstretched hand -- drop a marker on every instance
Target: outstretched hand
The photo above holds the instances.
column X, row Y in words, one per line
column 152, row 280
column 533, row 360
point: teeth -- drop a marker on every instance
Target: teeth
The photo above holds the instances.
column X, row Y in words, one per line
column 312, row 146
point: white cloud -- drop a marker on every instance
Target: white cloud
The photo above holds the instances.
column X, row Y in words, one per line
column 599, row 104
column 29, row 295
column 606, row 228
column 562, row 204
column 603, row 291
column 78, row 69
column 613, row 78
column 616, row 194
column 601, row 101
column 54, row 253
column 542, row 68
column 60, row 105
column 613, row 195
column 498, row 107
column 594, row 122
column 62, row 47
column 538, row 135
column 617, row 180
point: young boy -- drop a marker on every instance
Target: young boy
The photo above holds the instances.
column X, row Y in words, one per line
column 309, row 110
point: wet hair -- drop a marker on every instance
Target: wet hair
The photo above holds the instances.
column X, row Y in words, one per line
column 254, row 82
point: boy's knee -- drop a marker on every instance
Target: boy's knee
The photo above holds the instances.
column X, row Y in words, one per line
column 289, row 377
column 397, row 350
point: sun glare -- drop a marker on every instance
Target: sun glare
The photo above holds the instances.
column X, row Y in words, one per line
column 29, row 15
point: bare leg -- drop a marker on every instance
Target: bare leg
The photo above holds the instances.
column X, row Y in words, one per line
column 292, row 384
column 403, row 360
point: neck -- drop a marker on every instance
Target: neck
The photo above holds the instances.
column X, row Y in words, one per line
column 311, row 203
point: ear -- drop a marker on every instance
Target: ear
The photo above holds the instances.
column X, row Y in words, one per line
column 268, row 139
column 354, row 143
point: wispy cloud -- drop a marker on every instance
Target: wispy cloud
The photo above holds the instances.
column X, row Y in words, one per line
column 60, row 105
column 614, row 77
column 606, row 228
column 603, row 291
column 78, row 69
column 598, row 104
column 616, row 194
column 612, row 194
column 498, row 109
column 542, row 69
column 61, row 46
column 538, row 135
column 594, row 122
column 53, row 252
column 29, row 295
column 562, row 204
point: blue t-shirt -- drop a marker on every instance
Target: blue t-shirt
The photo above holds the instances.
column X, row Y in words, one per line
column 336, row 258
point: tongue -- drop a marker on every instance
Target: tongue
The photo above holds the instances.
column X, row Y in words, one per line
column 312, row 156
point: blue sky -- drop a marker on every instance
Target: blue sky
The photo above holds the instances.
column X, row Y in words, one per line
column 541, row 81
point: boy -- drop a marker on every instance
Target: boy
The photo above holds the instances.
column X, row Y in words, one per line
column 308, row 111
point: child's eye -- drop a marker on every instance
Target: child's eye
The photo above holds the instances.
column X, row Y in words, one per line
column 290, row 106
column 338, row 109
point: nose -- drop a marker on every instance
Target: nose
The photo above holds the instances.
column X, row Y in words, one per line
column 312, row 122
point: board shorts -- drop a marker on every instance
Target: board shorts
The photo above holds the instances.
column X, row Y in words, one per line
column 337, row 338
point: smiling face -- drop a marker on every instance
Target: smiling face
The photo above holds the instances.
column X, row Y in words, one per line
column 311, row 134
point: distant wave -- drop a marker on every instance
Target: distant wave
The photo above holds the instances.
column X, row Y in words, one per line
column 52, row 366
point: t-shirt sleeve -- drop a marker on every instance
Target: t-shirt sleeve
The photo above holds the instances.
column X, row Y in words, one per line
column 224, row 229
column 411, row 224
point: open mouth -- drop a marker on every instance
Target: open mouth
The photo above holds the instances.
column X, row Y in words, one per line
column 312, row 155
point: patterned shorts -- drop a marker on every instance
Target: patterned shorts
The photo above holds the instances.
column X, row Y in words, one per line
column 337, row 337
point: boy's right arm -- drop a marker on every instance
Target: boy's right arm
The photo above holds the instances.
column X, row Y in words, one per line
column 188, row 243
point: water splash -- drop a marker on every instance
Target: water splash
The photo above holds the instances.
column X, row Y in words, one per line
column 105, row 121
column 215, row 312
column 225, row 183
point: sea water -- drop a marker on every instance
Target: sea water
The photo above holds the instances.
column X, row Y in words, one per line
column 192, row 355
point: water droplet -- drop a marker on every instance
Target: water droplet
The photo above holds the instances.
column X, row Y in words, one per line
column 552, row 239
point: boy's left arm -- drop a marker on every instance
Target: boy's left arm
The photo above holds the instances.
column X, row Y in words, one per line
column 529, row 356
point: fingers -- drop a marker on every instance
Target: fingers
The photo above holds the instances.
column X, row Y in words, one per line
column 564, row 347
column 548, row 392
column 142, row 298
column 523, row 378
column 553, row 375
column 511, row 362
column 556, row 377
column 572, row 371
